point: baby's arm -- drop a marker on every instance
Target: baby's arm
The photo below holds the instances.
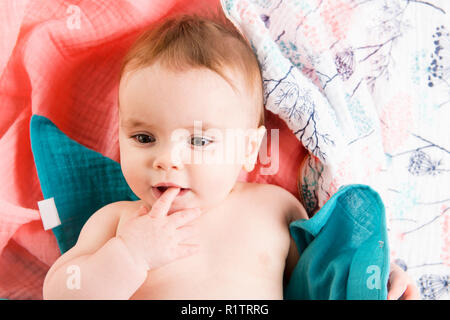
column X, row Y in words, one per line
column 106, row 268
column 112, row 259
column 400, row 285
column 295, row 211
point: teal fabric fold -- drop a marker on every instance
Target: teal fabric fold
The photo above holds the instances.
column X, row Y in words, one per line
column 80, row 180
column 344, row 251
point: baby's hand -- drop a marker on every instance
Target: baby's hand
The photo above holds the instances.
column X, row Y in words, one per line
column 155, row 239
column 400, row 285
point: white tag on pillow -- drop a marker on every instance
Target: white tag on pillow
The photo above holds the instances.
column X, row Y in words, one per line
column 49, row 214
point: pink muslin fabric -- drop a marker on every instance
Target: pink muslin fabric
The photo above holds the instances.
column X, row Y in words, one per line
column 61, row 60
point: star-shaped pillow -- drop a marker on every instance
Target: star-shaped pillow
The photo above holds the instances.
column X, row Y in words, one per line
column 80, row 180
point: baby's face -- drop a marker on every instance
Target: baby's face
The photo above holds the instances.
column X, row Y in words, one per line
column 162, row 139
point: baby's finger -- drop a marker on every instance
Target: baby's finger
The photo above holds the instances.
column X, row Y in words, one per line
column 163, row 203
column 186, row 232
column 180, row 218
column 396, row 288
column 141, row 211
column 411, row 293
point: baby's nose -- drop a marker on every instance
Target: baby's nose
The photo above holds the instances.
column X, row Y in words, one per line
column 169, row 158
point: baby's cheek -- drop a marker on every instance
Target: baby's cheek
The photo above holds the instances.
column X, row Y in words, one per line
column 133, row 176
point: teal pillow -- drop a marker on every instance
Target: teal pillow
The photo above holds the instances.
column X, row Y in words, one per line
column 344, row 252
column 80, row 180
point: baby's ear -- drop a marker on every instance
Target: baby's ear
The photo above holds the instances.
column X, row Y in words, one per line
column 255, row 138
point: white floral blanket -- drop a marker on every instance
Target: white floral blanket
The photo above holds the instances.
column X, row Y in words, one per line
column 365, row 85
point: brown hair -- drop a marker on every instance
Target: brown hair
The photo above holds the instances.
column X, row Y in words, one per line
column 190, row 40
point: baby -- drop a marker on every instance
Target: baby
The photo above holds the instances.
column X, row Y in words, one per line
column 186, row 86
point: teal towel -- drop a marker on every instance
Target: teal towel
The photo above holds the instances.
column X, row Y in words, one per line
column 344, row 252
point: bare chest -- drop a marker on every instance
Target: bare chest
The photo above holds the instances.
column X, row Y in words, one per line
column 240, row 247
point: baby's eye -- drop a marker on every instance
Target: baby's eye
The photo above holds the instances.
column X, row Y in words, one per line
column 198, row 141
column 142, row 138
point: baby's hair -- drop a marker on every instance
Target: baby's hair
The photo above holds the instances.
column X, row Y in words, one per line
column 185, row 41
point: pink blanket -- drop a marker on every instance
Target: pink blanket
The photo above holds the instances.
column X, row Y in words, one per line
column 61, row 61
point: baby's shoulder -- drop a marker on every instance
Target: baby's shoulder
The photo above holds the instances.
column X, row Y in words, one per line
column 127, row 207
column 277, row 199
column 270, row 192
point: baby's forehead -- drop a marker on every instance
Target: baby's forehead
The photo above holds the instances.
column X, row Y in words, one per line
column 189, row 76
column 180, row 98
column 181, row 121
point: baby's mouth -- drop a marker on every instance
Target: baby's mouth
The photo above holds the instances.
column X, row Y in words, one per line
column 158, row 191
column 162, row 189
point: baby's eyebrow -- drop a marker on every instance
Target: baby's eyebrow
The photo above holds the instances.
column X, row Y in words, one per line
column 205, row 125
column 132, row 123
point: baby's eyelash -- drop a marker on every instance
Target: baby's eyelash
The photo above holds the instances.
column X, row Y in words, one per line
column 209, row 140
column 140, row 135
column 135, row 137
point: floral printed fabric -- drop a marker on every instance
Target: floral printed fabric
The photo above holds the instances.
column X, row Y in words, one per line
column 365, row 86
